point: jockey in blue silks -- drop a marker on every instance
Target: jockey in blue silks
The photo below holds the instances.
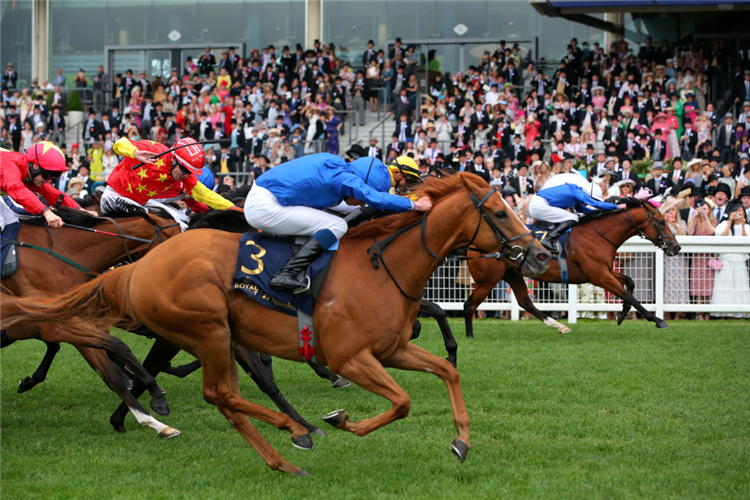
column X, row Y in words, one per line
column 289, row 200
column 551, row 204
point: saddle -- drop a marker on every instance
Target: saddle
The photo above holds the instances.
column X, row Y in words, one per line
column 9, row 258
column 540, row 232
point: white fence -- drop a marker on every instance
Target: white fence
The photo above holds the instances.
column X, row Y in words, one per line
column 710, row 275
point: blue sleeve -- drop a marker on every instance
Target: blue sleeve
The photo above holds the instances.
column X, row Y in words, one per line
column 585, row 199
column 356, row 188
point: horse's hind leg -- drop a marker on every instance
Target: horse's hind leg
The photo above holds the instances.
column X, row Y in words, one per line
column 414, row 358
column 435, row 311
column 182, row 371
column 240, row 422
column 339, row 382
column 260, row 370
column 518, row 285
column 40, row 374
column 479, row 295
column 367, row 372
column 610, row 283
column 117, row 382
column 161, row 353
column 629, row 285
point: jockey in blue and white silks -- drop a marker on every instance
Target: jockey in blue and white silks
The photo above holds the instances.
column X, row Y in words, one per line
column 552, row 204
column 289, row 200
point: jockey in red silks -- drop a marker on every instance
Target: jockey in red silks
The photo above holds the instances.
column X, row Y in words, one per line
column 171, row 177
column 24, row 177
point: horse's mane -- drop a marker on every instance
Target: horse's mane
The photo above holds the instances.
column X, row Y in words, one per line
column 224, row 220
column 434, row 187
column 83, row 218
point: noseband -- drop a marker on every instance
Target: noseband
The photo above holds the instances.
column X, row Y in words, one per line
column 515, row 252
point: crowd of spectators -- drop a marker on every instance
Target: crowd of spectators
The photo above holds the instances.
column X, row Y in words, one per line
column 628, row 118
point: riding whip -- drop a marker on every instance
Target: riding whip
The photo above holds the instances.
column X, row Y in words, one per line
column 124, row 236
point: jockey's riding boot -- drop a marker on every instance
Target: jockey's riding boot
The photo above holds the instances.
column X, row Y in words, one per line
column 293, row 275
column 550, row 242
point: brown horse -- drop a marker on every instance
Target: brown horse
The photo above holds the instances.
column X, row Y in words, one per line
column 182, row 291
column 590, row 255
column 79, row 256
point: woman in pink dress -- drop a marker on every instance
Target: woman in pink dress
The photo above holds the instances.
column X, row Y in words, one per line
column 598, row 100
column 531, row 129
column 661, row 122
column 702, row 223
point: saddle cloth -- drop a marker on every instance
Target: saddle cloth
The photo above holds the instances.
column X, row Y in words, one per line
column 259, row 258
column 8, row 251
column 540, row 232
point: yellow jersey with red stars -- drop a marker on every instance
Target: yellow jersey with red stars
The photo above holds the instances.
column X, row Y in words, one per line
column 155, row 181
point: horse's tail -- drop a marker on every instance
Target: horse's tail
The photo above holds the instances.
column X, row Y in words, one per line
column 88, row 308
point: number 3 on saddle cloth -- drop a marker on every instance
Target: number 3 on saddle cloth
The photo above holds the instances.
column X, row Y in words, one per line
column 259, row 258
column 540, row 233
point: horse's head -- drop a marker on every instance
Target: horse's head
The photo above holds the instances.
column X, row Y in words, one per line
column 498, row 229
column 652, row 226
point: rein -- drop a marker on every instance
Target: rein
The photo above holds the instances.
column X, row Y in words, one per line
column 515, row 251
column 660, row 238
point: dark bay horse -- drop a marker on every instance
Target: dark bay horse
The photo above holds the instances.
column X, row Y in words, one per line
column 87, row 254
column 591, row 251
column 182, row 291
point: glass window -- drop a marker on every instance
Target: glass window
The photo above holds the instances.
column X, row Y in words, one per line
column 79, row 29
column 15, row 39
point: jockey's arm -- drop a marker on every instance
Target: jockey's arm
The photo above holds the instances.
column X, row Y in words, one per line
column 585, row 199
column 123, row 147
column 202, row 194
column 52, row 195
column 26, row 197
column 356, row 188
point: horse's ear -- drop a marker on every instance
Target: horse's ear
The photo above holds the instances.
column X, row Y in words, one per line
column 464, row 181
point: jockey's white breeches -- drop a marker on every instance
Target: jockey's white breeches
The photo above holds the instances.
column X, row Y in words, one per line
column 111, row 199
column 540, row 210
column 7, row 216
column 263, row 211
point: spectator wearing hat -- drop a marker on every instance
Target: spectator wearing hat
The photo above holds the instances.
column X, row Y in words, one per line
column 360, row 91
column 56, row 126
column 523, row 185
column 741, row 88
column 206, row 62
column 373, row 151
column 657, row 147
column 478, row 167
column 744, row 198
column 517, row 152
column 659, row 182
column 727, row 137
column 721, row 198
column 695, row 195
column 688, row 141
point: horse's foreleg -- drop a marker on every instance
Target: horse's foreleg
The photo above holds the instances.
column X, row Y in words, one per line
column 435, row 311
column 518, row 285
column 367, row 372
column 40, row 374
column 629, row 285
column 261, row 372
column 117, row 382
column 610, row 283
column 161, row 353
column 414, row 358
column 323, row 372
column 479, row 295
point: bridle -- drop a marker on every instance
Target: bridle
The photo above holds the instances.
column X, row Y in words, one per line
column 661, row 238
column 514, row 253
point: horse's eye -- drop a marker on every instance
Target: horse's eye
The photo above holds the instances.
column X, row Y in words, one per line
column 500, row 214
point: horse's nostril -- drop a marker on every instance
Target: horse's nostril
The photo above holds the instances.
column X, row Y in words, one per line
column 542, row 257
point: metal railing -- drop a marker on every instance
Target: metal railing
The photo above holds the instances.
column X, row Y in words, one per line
column 688, row 282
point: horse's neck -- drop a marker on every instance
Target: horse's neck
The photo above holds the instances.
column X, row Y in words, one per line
column 95, row 252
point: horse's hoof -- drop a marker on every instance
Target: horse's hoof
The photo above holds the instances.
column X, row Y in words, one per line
column 620, row 318
column 318, row 432
column 453, row 361
column 460, row 449
column 335, row 418
column 340, row 383
column 303, row 442
column 661, row 324
column 302, row 473
column 159, row 405
column 564, row 329
column 25, row 384
column 119, row 427
column 169, row 433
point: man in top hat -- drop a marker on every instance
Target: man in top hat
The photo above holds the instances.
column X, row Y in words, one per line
column 721, row 197
column 356, row 151
column 369, row 54
column 10, row 76
column 727, row 137
column 677, row 176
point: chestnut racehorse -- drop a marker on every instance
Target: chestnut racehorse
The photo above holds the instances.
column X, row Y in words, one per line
column 87, row 255
column 591, row 251
column 363, row 316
